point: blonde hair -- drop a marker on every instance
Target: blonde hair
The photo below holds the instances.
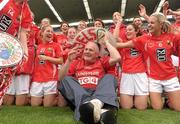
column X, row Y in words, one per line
column 166, row 25
column 178, row 10
column 43, row 29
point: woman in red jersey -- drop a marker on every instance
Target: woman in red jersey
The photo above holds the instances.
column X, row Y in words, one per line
column 62, row 35
column 69, row 44
column 134, row 80
column 16, row 20
column 44, row 83
column 176, row 30
column 175, row 26
column 158, row 46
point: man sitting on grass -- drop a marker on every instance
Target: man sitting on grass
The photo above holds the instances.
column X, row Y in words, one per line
column 88, row 87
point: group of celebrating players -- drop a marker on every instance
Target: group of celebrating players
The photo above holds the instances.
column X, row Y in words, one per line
column 133, row 58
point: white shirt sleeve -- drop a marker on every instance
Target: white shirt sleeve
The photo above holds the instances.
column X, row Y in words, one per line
column 175, row 60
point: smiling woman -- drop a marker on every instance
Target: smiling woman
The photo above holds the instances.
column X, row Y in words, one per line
column 158, row 48
column 47, row 33
column 45, row 76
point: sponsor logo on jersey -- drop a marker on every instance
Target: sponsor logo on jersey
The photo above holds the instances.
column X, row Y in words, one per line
column 88, row 80
column 134, row 52
column 5, row 23
column 161, row 54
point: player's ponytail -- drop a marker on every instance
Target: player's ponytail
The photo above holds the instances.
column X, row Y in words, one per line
column 166, row 27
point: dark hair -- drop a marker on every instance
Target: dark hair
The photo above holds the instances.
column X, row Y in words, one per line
column 63, row 23
column 100, row 20
column 137, row 29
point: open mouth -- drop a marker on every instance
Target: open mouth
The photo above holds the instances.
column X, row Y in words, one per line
column 49, row 36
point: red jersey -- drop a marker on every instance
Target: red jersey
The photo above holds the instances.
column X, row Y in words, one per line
column 64, row 44
column 177, row 48
column 122, row 32
column 13, row 16
column 32, row 35
column 62, row 40
column 132, row 61
column 45, row 70
column 158, row 50
column 88, row 76
column 28, row 66
column 179, row 57
column 176, row 28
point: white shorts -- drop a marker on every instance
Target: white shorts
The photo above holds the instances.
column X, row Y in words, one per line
column 39, row 89
column 19, row 85
column 134, row 84
column 166, row 85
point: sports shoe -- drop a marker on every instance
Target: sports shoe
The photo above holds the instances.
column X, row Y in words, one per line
column 86, row 113
column 108, row 116
column 90, row 112
column 97, row 109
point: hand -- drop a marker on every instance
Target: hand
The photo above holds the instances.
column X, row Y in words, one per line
column 142, row 10
column 42, row 57
column 73, row 53
column 102, row 41
column 170, row 12
column 25, row 58
column 165, row 7
column 119, row 21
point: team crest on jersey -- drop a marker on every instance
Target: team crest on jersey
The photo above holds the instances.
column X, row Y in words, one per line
column 161, row 54
column 160, row 44
column 50, row 49
column 150, row 44
column 169, row 43
column 5, row 23
column 11, row 11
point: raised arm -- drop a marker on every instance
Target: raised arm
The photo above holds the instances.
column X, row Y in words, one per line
column 116, row 30
column 142, row 12
column 114, row 54
column 165, row 8
column 71, row 56
column 175, row 13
